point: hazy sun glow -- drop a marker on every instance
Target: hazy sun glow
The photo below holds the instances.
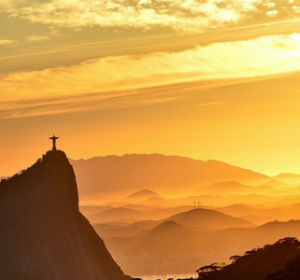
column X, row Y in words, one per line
column 203, row 79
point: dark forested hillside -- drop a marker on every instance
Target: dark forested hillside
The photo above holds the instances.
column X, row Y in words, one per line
column 256, row 264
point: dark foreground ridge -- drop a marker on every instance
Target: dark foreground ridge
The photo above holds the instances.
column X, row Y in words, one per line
column 279, row 261
column 43, row 235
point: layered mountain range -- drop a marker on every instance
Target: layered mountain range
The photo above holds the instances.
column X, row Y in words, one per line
column 168, row 175
column 156, row 214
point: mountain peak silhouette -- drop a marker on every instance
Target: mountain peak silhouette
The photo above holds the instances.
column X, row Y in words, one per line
column 207, row 218
column 43, row 234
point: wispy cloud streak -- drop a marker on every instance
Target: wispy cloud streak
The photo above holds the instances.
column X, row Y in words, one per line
column 262, row 56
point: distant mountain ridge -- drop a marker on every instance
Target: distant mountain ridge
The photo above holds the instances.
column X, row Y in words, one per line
column 119, row 214
column 142, row 195
column 159, row 173
column 277, row 184
column 228, row 187
column 288, row 178
column 208, row 219
column 234, row 188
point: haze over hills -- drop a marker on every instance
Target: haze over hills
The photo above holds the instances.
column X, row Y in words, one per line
column 229, row 188
column 257, row 209
column 234, row 188
column 119, row 214
column 203, row 218
column 277, row 184
column 89, row 210
column 111, row 230
column 288, row 178
column 150, row 233
column 145, row 232
column 167, row 175
column 173, row 248
column 161, row 237
column 260, row 215
column 164, row 213
column 43, row 234
column 208, row 219
column 142, row 195
column 138, row 207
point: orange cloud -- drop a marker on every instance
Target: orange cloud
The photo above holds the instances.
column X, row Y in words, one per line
column 35, row 38
column 187, row 16
column 7, row 42
column 110, row 77
column 183, row 15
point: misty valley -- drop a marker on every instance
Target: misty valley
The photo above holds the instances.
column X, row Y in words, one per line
column 152, row 228
column 147, row 217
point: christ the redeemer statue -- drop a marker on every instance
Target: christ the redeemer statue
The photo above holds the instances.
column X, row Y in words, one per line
column 54, row 138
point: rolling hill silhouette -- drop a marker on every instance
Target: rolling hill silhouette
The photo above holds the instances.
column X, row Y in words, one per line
column 164, row 237
column 129, row 214
column 277, row 184
column 171, row 248
column 288, row 178
column 163, row 174
column 155, row 201
column 119, row 214
column 208, row 219
column 89, row 210
column 142, row 195
column 276, row 228
column 109, row 230
column 166, row 227
column 263, row 214
column 138, row 207
column 234, row 188
column 43, row 234
column 238, row 209
column 228, row 188
column 164, row 213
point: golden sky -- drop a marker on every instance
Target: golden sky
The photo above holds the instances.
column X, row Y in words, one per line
column 210, row 79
